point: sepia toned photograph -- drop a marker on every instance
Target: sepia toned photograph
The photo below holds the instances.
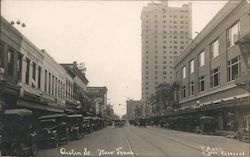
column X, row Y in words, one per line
column 125, row 78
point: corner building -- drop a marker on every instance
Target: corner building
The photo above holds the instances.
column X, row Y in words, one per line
column 166, row 31
column 212, row 71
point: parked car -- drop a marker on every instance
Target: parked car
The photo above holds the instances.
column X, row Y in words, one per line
column 98, row 123
column 56, row 127
column 207, row 125
column 47, row 133
column 18, row 135
column 88, row 124
column 119, row 123
column 76, row 126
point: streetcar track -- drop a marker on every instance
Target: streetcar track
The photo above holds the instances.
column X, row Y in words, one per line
column 151, row 143
column 164, row 134
column 184, row 138
column 181, row 143
column 129, row 145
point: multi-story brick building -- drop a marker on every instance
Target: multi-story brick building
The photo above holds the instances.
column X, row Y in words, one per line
column 165, row 33
column 98, row 99
column 134, row 109
column 208, row 69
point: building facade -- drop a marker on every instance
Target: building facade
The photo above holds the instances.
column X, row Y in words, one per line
column 134, row 109
column 98, row 99
column 79, row 98
column 29, row 77
column 165, row 33
column 209, row 68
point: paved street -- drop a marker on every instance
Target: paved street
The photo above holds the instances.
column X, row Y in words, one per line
column 149, row 142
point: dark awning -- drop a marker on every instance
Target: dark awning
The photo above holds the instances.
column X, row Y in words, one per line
column 32, row 105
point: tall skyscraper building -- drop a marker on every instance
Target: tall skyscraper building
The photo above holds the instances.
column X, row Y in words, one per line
column 166, row 31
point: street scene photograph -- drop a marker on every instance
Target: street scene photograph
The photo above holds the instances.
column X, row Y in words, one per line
column 125, row 78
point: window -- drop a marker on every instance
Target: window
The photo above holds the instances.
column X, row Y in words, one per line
column 10, row 62
column 201, row 83
column 49, row 83
column 19, row 67
column 183, row 91
column 33, row 81
column 56, row 87
column 215, row 77
column 234, row 68
column 184, row 72
column 202, row 58
column 192, row 88
column 53, row 84
column 233, row 34
column 59, row 88
column 45, row 80
column 191, row 66
column 27, row 74
column 39, row 77
column 34, row 71
column 1, row 53
column 215, row 48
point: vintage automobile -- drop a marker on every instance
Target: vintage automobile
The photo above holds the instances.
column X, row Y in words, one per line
column 53, row 129
column 207, row 125
column 119, row 123
column 88, row 124
column 47, row 133
column 76, row 126
column 142, row 122
column 18, row 135
column 98, row 123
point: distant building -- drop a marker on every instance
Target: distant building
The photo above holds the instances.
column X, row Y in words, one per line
column 78, row 87
column 213, row 72
column 166, row 31
column 98, row 99
column 134, row 109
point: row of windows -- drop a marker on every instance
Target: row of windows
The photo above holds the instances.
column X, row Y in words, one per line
column 33, row 73
column 156, row 77
column 165, row 47
column 171, row 27
column 165, row 52
column 171, row 41
column 171, row 16
column 170, row 36
column 164, row 67
column 233, row 70
column 170, row 32
column 56, row 87
column 156, row 62
column 232, row 35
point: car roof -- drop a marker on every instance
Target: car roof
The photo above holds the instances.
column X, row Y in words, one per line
column 19, row 112
column 75, row 116
column 53, row 116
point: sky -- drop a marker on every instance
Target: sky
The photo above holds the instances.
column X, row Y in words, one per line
column 105, row 35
